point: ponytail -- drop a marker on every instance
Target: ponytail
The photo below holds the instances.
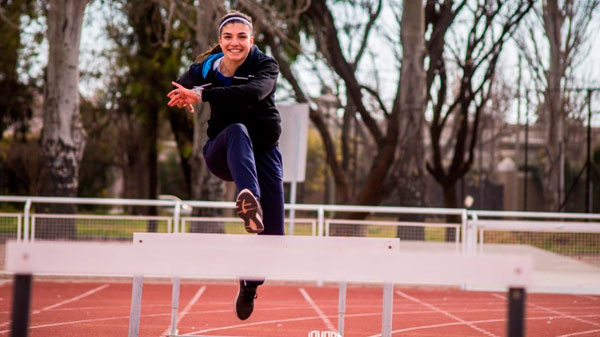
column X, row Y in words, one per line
column 213, row 50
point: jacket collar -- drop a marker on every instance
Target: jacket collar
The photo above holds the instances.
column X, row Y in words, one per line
column 243, row 70
column 249, row 63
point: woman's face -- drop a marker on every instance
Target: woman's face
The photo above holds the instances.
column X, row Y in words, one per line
column 236, row 40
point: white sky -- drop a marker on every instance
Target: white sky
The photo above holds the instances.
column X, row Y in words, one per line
column 94, row 41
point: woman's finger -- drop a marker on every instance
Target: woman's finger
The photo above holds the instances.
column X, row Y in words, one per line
column 190, row 108
column 174, row 101
column 176, row 84
column 172, row 93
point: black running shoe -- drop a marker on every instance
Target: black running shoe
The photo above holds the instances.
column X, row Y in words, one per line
column 244, row 302
column 248, row 208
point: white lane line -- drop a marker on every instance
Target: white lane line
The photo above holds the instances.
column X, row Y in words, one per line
column 593, row 298
column 312, row 303
column 556, row 312
column 499, row 320
column 580, row 333
column 441, row 311
column 126, row 317
column 70, row 300
column 185, row 310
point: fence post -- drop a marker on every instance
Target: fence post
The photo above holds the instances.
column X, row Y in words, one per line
column 464, row 229
column 176, row 212
column 26, row 220
column 473, row 234
column 321, row 217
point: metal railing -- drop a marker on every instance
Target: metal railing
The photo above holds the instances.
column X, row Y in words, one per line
column 319, row 211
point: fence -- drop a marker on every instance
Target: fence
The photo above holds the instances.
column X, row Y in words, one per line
column 566, row 246
column 10, row 229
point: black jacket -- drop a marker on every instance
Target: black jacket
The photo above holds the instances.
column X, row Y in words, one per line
column 249, row 99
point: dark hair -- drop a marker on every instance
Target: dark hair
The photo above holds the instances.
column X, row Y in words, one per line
column 231, row 17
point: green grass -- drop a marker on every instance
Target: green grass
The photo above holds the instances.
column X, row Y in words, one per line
column 123, row 230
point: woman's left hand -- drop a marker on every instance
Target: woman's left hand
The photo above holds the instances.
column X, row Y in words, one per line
column 182, row 97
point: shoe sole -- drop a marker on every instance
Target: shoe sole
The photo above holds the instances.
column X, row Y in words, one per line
column 247, row 209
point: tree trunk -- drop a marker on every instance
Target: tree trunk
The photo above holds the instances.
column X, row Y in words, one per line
column 205, row 185
column 63, row 137
column 450, row 201
column 412, row 104
column 552, row 167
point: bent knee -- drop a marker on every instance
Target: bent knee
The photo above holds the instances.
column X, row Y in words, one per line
column 237, row 129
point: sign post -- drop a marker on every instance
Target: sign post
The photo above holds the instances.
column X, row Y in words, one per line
column 293, row 145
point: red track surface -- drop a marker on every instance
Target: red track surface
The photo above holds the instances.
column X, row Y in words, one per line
column 102, row 309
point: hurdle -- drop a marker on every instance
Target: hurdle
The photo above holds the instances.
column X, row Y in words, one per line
column 326, row 245
column 233, row 261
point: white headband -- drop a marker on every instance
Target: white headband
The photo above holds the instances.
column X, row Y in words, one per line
column 238, row 18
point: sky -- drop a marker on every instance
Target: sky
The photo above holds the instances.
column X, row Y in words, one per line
column 383, row 65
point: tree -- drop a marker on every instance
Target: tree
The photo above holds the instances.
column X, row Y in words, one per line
column 63, row 137
column 316, row 19
column 15, row 96
column 566, row 31
column 492, row 24
column 149, row 63
column 412, row 104
column 204, row 185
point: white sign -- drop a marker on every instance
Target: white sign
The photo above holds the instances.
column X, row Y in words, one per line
column 293, row 141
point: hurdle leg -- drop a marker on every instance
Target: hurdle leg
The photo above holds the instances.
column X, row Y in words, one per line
column 516, row 312
column 136, row 306
column 388, row 302
column 174, row 305
column 341, row 308
column 20, row 306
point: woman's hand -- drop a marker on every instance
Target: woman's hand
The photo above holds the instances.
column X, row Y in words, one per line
column 181, row 97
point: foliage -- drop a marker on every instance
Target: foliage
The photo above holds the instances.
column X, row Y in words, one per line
column 15, row 96
column 170, row 177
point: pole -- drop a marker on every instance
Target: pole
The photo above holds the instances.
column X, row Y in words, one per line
column 518, row 133
column 588, row 161
column 516, row 312
column 19, row 324
column 526, row 149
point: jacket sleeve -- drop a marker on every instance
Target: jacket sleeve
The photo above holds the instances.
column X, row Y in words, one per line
column 192, row 77
column 261, row 86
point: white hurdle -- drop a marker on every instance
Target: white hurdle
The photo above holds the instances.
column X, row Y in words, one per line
column 325, row 245
column 290, row 258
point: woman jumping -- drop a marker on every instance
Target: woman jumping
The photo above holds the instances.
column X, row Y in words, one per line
column 239, row 82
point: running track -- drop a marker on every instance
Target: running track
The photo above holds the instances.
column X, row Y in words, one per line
column 62, row 309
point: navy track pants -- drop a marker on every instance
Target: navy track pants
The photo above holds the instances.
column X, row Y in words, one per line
column 230, row 156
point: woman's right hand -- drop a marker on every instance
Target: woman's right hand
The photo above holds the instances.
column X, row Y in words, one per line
column 182, row 96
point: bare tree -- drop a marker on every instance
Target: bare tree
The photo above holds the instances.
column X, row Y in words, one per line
column 566, row 31
column 202, row 22
column 412, row 104
column 63, row 137
column 491, row 25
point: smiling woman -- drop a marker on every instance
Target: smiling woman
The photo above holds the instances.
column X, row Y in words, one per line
column 239, row 82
